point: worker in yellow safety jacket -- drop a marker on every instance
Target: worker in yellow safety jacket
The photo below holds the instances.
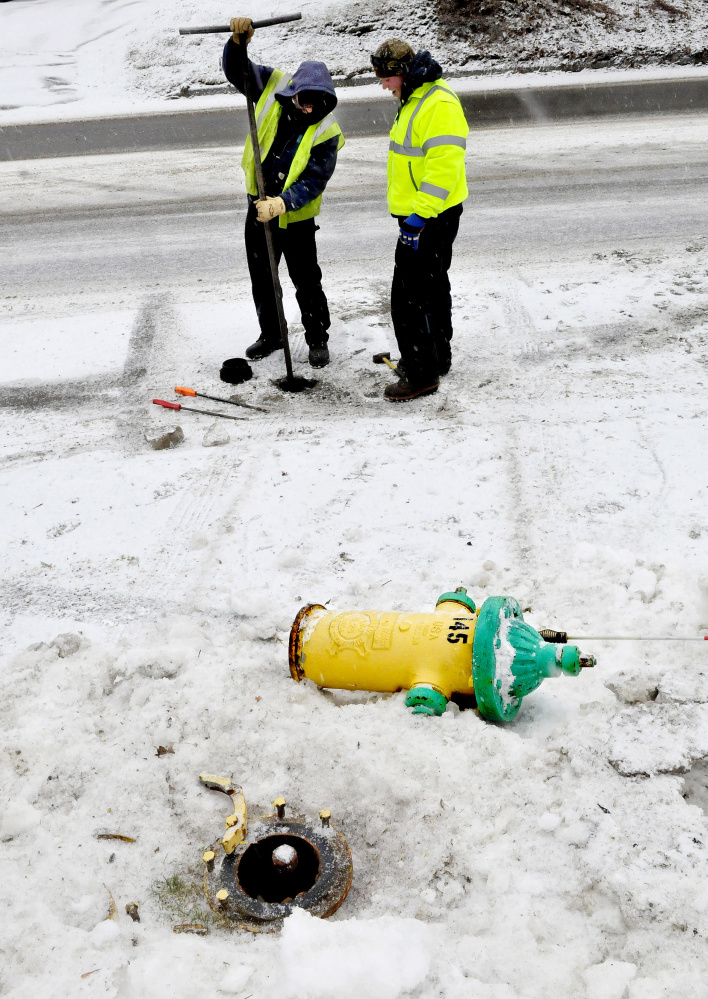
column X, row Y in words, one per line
column 299, row 141
column 426, row 188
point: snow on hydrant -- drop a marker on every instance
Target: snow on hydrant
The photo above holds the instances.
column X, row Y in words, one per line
column 457, row 649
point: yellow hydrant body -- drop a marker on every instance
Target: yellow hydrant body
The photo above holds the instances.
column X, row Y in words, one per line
column 491, row 653
column 387, row 651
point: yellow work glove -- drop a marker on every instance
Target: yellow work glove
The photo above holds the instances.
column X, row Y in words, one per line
column 270, row 208
column 241, row 26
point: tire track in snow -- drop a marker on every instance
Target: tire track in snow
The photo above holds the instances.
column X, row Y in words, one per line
column 522, row 436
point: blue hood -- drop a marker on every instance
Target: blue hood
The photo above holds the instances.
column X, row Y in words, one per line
column 311, row 76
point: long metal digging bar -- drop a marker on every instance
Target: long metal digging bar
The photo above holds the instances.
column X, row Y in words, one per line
column 216, row 29
column 260, row 183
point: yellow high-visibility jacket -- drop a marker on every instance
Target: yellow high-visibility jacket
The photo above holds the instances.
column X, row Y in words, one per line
column 426, row 158
column 268, row 111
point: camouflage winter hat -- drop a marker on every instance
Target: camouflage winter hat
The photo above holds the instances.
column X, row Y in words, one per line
column 392, row 58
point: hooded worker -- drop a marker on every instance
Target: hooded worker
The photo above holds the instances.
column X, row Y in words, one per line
column 426, row 188
column 299, row 142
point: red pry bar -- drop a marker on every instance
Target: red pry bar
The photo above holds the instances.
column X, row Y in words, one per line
column 193, row 409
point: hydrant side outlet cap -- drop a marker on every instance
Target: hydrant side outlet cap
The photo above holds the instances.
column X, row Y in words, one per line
column 570, row 660
column 458, row 597
column 426, row 700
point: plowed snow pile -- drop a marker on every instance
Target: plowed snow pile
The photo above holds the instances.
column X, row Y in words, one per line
column 101, row 54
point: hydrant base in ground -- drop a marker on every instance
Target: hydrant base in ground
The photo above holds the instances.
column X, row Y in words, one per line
column 278, row 864
column 492, row 653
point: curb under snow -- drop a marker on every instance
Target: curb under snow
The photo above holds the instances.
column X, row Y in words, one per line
column 363, row 111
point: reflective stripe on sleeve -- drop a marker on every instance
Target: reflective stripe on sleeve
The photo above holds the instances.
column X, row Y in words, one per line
column 444, row 140
column 396, row 147
column 437, row 192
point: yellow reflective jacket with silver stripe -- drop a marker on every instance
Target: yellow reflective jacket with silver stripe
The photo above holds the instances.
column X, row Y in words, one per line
column 268, row 111
column 426, row 159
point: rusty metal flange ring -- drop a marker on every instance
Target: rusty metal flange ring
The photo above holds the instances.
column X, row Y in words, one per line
column 257, row 899
column 295, row 643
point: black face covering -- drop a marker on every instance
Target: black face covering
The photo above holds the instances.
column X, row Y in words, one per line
column 319, row 106
column 298, row 116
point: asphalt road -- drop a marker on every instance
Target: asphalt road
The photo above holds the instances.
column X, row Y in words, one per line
column 491, row 106
column 541, row 194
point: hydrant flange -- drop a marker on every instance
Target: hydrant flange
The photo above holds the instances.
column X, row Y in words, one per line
column 259, row 892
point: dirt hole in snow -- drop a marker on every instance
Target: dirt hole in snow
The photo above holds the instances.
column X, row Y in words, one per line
column 295, row 384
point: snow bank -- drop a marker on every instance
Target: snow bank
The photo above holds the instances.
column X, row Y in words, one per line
column 98, row 56
column 345, row 959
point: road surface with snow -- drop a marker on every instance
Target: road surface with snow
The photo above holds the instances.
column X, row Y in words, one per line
column 561, row 462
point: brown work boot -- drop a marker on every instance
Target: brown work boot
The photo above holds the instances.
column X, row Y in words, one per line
column 402, row 390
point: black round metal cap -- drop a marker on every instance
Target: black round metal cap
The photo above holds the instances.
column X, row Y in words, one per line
column 236, row 370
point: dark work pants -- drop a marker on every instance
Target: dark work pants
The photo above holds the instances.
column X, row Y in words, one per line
column 297, row 244
column 421, row 305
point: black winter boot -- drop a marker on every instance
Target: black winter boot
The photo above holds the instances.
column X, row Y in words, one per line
column 262, row 348
column 319, row 355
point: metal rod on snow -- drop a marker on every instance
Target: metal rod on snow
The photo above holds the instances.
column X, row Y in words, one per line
column 633, row 638
column 561, row 637
column 260, row 183
column 181, row 390
column 193, row 409
column 216, row 29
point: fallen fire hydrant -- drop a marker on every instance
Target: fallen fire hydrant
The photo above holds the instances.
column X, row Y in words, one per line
column 274, row 865
column 491, row 653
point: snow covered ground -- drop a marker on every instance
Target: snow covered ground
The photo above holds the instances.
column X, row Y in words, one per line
column 561, row 463
column 97, row 54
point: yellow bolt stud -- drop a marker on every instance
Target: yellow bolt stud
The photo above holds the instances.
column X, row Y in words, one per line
column 222, row 897
column 208, row 859
column 239, row 817
column 279, row 805
column 325, row 816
